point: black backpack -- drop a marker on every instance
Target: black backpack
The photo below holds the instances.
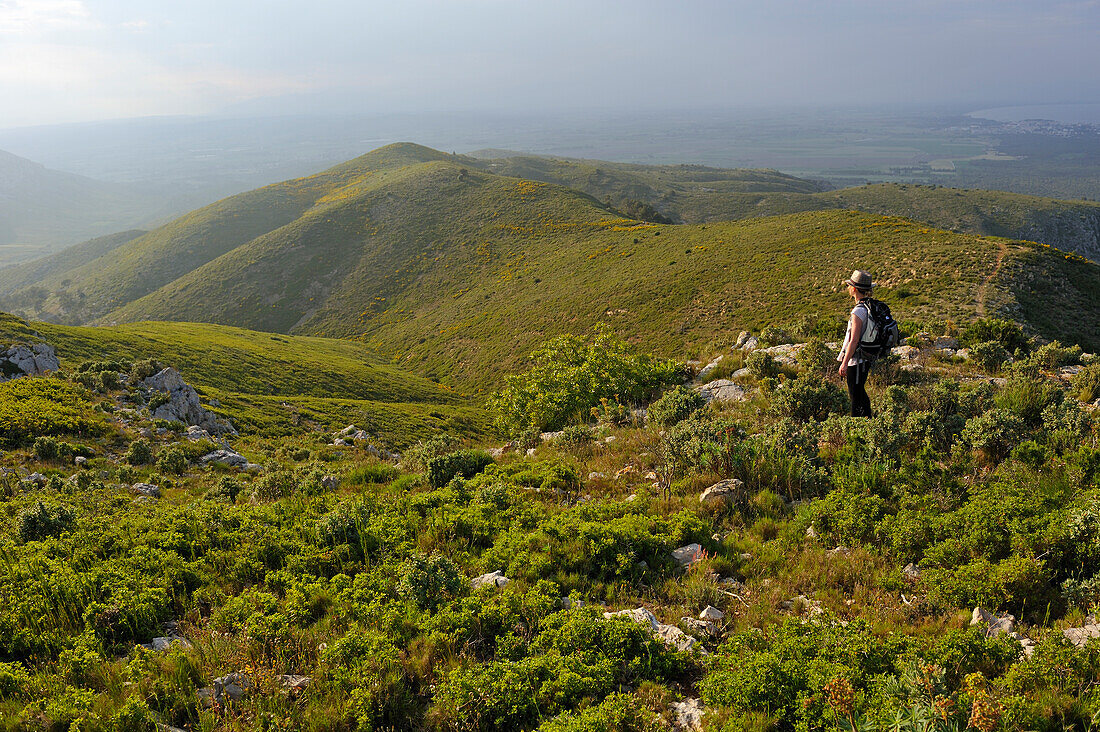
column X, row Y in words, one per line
column 881, row 326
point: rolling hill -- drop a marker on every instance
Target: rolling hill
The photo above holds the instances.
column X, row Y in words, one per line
column 43, row 210
column 695, row 194
column 455, row 273
column 273, row 383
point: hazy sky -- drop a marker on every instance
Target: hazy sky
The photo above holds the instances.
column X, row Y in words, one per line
column 75, row 60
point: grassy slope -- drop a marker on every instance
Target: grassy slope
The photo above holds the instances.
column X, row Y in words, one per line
column 694, row 194
column 27, row 273
column 457, row 275
column 139, row 267
column 272, row 382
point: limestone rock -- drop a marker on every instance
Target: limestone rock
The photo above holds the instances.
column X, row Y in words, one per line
column 80, row 461
column 293, row 683
column 672, row 636
column 700, row 626
column 351, row 435
column 146, row 489
column 724, row 492
column 742, row 337
column 232, row 458
column 687, row 555
column 35, row 479
column 905, row 353
column 27, row 360
column 491, row 579
column 946, row 342
column 230, row 687
column 1080, row 636
column 750, row 344
column 911, row 572
column 689, row 715
column 839, row 551
column 709, row 368
column 723, row 390
column 992, row 624
column 163, row 643
column 183, row 403
column 712, row 614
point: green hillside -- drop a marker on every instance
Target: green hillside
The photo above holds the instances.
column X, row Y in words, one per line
column 455, row 273
column 271, row 382
column 696, row 194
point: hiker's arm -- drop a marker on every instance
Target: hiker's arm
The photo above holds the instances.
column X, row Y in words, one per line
column 853, row 344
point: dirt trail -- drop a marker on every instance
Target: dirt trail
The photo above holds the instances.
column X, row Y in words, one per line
column 1002, row 250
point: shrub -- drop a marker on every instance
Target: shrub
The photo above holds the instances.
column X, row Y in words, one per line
column 275, row 485
column 773, row 335
column 808, row 398
column 172, row 460
column 569, row 376
column 415, row 459
column 762, row 365
column 39, row 406
column 1054, row 355
column 1009, row 335
column 41, row 521
column 466, row 463
column 427, row 582
column 990, row 355
column 139, row 452
column 226, row 491
column 144, row 369
column 574, row 436
column 13, row 680
column 675, row 406
column 1086, row 383
column 994, row 433
column 135, row 716
column 46, row 448
column 816, row 358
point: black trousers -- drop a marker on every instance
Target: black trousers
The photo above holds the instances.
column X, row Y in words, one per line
column 857, row 389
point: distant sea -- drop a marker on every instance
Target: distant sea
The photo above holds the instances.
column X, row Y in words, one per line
column 1070, row 114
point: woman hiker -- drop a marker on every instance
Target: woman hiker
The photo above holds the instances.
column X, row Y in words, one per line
column 853, row 366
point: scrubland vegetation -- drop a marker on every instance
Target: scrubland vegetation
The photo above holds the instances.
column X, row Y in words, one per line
column 846, row 557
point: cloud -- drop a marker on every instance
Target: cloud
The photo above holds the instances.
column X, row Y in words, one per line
column 29, row 17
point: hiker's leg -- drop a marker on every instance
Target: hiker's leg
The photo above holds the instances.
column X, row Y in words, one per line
column 857, row 391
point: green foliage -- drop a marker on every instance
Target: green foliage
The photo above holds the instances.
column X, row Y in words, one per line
column 42, row 521
column 172, row 460
column 139, row 452
column 373, row 473
column 675, row 405
column 990, row 355
column 569, row 376
column 14, row 680
column 415, row 458
column 429, row 581
column 816, row 358
column 46, row 448
column 761, row 365
column 574, row 436
column 38, row 406
column 226, row 490
column 464, row 463
column 808, row 398
column 1086, row 383
column 1007, row 334
column 994, row 433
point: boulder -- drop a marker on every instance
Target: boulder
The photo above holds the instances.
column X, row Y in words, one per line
column 672, row 636
column 709, row 368
column 1080, row 636
column 492, row 579
column 183, row 403
column 741, row 338
column 27, row 360
column 146, row 489
column 839, row 551
column 911, row 572
column 963, row 353
column 700, row 626
column 80, row 461
column 750, row 344
column 293, row 683
column 689, row 715
column 992, row 624
column 232, row 458
column 712, row 614
column 905, row 353
column 35, row 479
column 230, row 687
column 723, row 492
column 163, row 643
column 351, row 435
column 688, row 555
column 723, row 390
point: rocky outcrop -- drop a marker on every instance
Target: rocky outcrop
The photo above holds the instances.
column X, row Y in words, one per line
column 688, row 715
column 492, row 579
column 724, row 492
column 352, row 435
column 183, row 403
column 688, row 555
column 723, row 390
column 27, row 360
column 228, row 457
column 672, row 636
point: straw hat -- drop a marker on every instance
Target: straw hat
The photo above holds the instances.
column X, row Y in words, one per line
column 860, row 280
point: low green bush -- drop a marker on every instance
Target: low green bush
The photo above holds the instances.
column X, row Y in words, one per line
column 42, row 521
column 139, row 452
column 762, row 365
column 808, row 397
column 428, row 582
column 674, row 406
column 465, row 463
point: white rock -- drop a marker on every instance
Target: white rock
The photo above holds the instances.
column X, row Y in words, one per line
column 80, row 461
column 292, row 683
column 491, row 579
column 905, row 353
column 35, row 479
column 669, row 634
column 723, row 390
column 712, row 614
column 146, row 489
column 231, row 686
column 751, row 344
column 709, row 368
column 689, row 715
column 1080, row 636
column 610, row 438
column 992, row 623
column 225, row 457
column 741, row 338
column 724, row 491
column 183, row 403
column 837, row 551
column 687, row 555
